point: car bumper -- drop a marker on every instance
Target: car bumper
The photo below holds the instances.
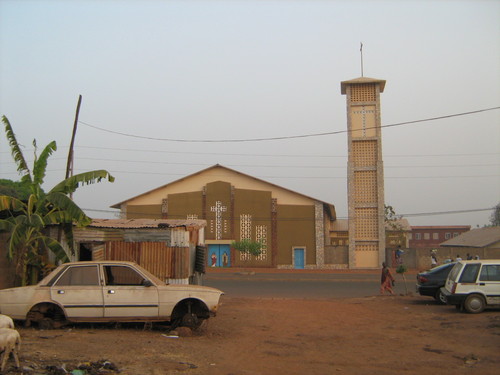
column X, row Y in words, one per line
column 453, row 299
column 426, row 290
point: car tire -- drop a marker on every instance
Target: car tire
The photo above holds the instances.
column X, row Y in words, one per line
column 440, row 297
column 46, row 324
column 474, row 304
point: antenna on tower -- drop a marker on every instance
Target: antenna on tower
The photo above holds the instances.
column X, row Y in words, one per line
column 361, row 53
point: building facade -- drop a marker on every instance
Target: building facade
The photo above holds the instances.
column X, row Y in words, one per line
column 433, row 236
column 290, row 226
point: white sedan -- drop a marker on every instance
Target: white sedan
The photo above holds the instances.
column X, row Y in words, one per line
column 108, row 291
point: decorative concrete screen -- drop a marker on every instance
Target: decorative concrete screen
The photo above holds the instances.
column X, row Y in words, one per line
column 366, row 183
column 366, row 224
column 364, row 153
column 363, row 93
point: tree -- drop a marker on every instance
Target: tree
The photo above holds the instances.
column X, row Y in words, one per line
column 495, row 216
column 27, row 219
column 401, row 270
column 247, row 247
column 14, row 189
column 394, row 229
column 391, row 219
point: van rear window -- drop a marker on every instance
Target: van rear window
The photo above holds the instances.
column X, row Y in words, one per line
column 455, row 271
column 469, row 275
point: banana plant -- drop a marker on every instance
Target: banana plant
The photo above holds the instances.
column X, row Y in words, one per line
column 27, row 222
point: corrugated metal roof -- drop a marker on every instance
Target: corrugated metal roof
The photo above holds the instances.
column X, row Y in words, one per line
column 146, row 223
column 480, row 237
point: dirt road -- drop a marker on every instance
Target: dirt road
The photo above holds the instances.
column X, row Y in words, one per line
column 372, row 335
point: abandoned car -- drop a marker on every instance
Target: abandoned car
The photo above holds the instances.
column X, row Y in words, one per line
column 108, row 291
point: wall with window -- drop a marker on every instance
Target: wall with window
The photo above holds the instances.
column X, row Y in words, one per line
column 433, row 236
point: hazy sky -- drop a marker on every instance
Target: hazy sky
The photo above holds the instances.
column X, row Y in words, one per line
column 242, row 70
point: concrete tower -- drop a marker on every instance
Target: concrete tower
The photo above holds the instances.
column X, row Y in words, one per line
column 365, row 173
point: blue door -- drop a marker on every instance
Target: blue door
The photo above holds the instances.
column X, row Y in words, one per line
column 298, row 258
column 219, row 256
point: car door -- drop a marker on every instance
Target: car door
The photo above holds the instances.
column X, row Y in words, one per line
column 79, row 291
column 489, row 283
column 128, row 295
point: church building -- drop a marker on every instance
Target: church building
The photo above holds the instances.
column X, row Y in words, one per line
column 293, row 228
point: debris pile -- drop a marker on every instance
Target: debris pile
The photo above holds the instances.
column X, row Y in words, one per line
column 101, row 367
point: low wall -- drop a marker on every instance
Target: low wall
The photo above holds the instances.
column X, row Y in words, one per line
column 420, row 258
column 336, row 255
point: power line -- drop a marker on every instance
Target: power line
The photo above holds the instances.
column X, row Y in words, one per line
column 301, row 156
column 279, row 166
column 432, row 213
column 326, row 177
column 284, row 137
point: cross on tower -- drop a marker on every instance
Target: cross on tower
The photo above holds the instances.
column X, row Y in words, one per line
column 218, row 209
column 363, row 114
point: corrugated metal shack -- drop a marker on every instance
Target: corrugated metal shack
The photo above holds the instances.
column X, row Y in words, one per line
column 173, row 250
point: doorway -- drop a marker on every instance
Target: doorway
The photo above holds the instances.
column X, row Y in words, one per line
column 219, row 255
column 299, row 258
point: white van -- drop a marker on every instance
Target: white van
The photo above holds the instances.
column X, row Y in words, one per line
column 473, row 285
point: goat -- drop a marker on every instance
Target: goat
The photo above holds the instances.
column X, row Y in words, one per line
column 6, row 322
column 10, row 342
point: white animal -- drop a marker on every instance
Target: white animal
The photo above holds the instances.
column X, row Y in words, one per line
column 10, row 342
column 6, row 322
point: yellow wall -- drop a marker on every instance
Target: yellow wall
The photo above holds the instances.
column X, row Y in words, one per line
column 296, row 228
column 182, row 204
column 150, row 211
column 196, row 182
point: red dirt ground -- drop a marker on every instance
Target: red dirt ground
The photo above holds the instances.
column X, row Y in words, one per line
column 372, row 335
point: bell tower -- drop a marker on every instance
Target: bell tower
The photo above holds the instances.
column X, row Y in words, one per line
column 365, row 173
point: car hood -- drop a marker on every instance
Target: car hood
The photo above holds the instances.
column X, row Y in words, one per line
column 190, row 288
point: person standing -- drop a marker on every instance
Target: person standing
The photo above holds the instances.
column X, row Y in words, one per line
column 434, row 260
column 386, row 280
column 399, row 256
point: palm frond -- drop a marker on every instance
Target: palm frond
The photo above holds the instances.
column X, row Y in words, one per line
column 40, row 165
column 68, row 235
column 17, row 242
column 32, row 203
column 66, row 211
column 37, row 221
column 56, row 248
column 11, row 203
column 6, row 225
column 70, row 184
column 17, row 154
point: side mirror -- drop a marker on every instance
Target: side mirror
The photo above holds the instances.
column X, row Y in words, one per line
column 146, row 283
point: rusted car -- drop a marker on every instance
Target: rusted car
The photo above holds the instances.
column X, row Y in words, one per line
column 108, row 291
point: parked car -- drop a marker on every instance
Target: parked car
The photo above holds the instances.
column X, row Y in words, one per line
column 473, row 285
column 108, row 291
column 430, row 282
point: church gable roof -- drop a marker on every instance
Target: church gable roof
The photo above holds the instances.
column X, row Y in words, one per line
column 242, row 181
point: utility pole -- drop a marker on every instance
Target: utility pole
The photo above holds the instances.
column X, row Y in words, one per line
column 69, row 165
